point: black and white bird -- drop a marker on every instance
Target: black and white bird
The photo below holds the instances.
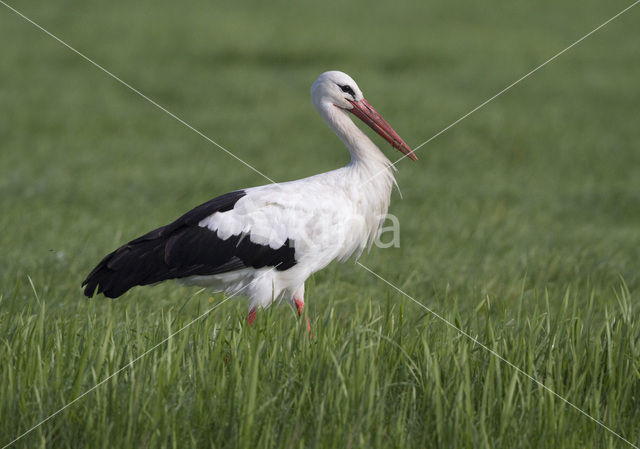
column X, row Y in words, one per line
column 264, row 242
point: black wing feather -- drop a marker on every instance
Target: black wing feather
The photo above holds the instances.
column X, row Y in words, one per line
column 182, row 249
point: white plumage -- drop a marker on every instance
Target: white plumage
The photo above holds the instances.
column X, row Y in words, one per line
column 294, row 228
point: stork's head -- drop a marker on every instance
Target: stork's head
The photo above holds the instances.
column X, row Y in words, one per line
column 339, row 90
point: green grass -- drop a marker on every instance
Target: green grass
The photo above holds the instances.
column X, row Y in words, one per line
column 521, row 225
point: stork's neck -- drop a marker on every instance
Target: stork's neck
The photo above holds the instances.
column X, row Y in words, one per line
column 365, row 154
column 368, row 179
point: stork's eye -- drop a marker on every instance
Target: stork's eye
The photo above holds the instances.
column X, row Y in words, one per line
column 348, row 90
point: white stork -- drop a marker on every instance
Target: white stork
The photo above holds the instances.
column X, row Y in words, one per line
column 264, row 242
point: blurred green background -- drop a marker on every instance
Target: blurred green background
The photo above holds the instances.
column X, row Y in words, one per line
column 527, row 210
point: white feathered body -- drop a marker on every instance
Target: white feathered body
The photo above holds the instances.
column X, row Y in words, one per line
column 326, row 217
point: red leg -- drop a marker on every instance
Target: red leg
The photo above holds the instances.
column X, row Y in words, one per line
column 251, row 317
column 300, row 307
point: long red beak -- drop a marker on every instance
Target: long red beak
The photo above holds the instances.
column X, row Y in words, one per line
column 365, row 112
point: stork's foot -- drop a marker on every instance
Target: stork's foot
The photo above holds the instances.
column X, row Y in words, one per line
column 251, row 317
column 300, row 307
column 309, row 329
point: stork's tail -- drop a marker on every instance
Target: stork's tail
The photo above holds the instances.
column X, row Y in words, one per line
column 143, row 261
column 139, row 263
